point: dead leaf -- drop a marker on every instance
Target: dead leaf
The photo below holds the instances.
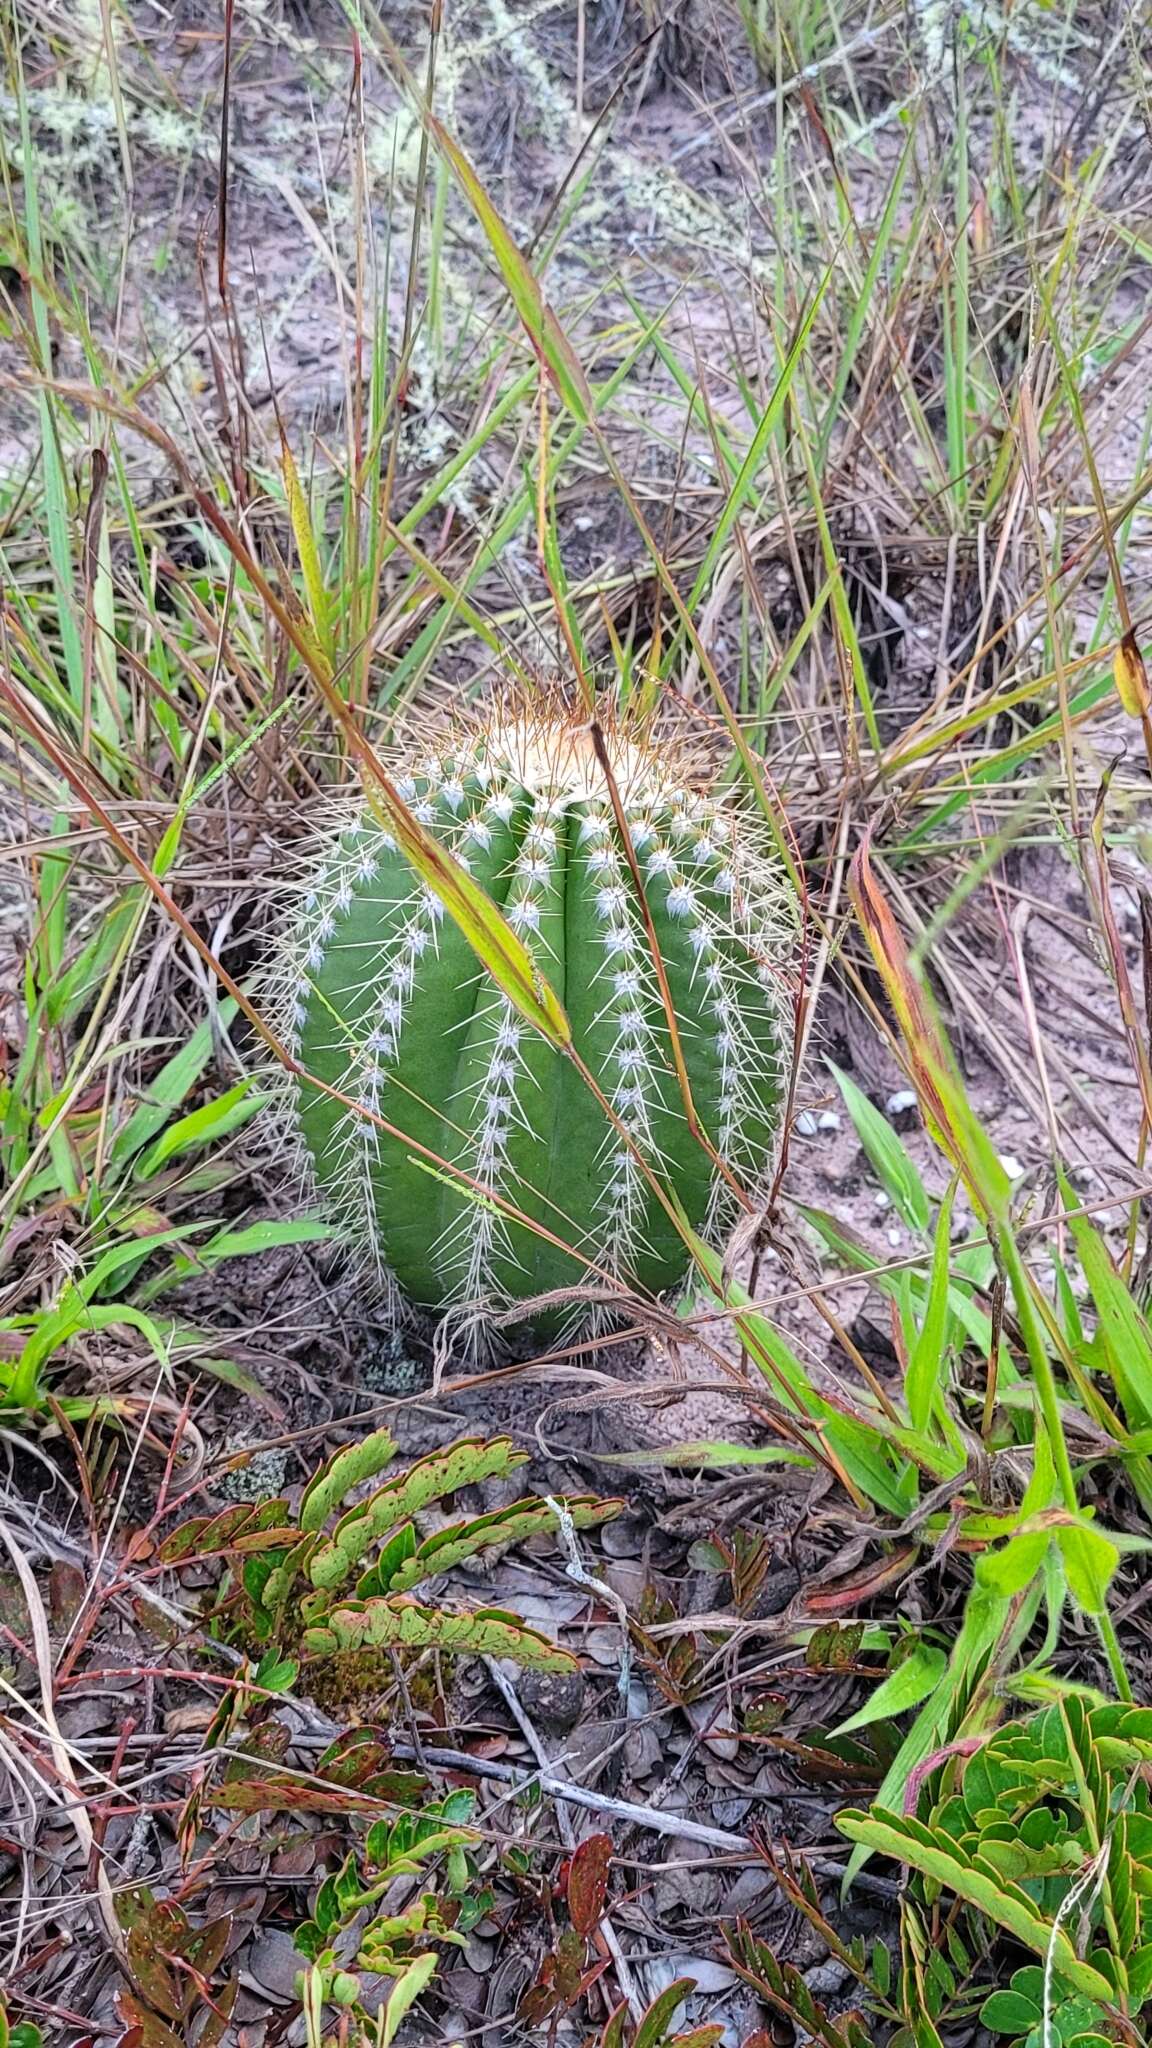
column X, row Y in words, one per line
column 189, row 1720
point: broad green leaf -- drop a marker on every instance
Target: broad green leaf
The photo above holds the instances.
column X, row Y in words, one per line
column 25, row 2034
column 912, row 1681
column 936, row 1856
column 613, row 2035
column 1090, row 1560
column 403, row 1995
column 105, row 1276
column 1008, row 1570
column 1140, row 1975
column 398, row 1548
column 77, row 1310
column 168, row 1089
column 652, row 2030
column 1124, row 1330
column 860, row 1257
column 275, row 1673
column 861, row 1449
column 23, row 1389
column 208, row 1124
column 1042, row 1490
column 890, row 1160
column 74, row 988
column 267, row 1236
column 225, row 1370
column 945, row 1713
column 924, row 1379
column 1070, row 1315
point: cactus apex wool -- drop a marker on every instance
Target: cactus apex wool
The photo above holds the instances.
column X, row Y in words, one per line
column 378, row 994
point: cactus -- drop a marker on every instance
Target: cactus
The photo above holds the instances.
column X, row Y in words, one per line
column 379, row 994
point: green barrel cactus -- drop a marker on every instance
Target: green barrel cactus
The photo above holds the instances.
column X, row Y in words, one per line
column 379, row 994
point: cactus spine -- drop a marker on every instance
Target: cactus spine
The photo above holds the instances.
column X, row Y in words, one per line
column 380, row 995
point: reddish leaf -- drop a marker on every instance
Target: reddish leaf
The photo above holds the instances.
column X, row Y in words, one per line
column 274, row 1793
column 203, row 1947
column 152, row 1977
column 766, row 1713
column 352, row 1776
column 267, row 1743
column 820, row 1763
column 834, row 1646
column 215, row 2026
column 587, row 1886
column 361, row 1759
column 185, row 1541
column 568, row 1965
column 560, row 1982
column 67, row 1592
column 281, row 1537
column 207, row 1534
column 157, row 1623
column 145, row 2030
column 844, row 1595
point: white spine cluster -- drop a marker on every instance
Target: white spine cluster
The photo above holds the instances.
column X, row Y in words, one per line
column 632, row 1007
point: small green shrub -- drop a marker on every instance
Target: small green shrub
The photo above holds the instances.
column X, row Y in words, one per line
column 1046, row 1831
column 141, row 1187
column 335, row 1582
column 348, row 1939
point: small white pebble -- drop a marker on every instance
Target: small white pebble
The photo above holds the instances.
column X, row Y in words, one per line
column 1012, row 1166
column 882, row 1200
column 806, row 1125
column 904, row 1099
column 894, row 1236
column 827, row 1120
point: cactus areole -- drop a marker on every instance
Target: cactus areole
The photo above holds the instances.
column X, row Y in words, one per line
column 380, row 995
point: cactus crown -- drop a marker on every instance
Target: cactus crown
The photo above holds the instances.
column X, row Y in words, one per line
column 378, row 994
